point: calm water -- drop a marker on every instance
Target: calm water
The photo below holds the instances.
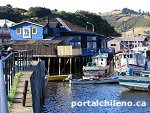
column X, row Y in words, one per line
column 59, row 98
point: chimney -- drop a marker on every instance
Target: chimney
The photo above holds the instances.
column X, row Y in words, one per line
column 47, row 19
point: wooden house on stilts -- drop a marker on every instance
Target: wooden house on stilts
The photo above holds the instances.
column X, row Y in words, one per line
column 64, row 46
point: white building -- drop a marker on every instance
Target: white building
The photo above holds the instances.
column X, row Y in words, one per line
column 4, row 30
column 120, row 43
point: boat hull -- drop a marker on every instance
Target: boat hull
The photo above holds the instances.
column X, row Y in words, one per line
column 96, row 70
column 136, row 68
column 95, row 81
column 57, row 78
column 107, row 80
column 135, row 82
column 82, row 81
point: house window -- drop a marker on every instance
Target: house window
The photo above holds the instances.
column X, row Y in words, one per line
column 91, row 44
column 90, row 38
column 18, row 30
column 131, row 56
column 124, row 56
column 26, row 32
column 46, row 30
column 113, row 44
column 34, row 30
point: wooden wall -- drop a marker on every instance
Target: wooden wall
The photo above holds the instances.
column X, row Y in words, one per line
column 38, row 49
column 68, row 50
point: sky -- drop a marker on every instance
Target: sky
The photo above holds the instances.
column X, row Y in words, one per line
column 87, row 5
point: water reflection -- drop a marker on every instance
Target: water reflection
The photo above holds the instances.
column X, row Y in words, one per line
column 60, row 95
column 139, row 99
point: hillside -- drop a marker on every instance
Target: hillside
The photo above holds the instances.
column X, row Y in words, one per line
column 130, row 23
column 38, row 14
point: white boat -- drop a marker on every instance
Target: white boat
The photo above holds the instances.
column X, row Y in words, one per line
column 82, row 81
column 134, row 59
column 133, row 81
column 91, row 80
column 136, row 68
column 98, row 67
column 107, row 80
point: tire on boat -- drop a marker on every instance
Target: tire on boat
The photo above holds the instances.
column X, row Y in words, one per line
column 148, row 87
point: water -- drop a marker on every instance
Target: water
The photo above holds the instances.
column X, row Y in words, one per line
column 59, row 98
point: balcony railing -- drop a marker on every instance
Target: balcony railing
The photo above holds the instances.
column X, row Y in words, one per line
column 13, row 63
column 89, row 51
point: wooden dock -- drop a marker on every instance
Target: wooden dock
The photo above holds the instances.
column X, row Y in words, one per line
column 17, row 106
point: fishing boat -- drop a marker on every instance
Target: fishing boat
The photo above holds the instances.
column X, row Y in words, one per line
column 137, row 78
column 134, row 59
column 57, row 78
column 134, row 81
column 99, row 67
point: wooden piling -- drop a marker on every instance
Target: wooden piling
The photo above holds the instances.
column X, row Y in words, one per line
column 24, row 93
column 59, row 65
column 70, row 65
column 48, row 67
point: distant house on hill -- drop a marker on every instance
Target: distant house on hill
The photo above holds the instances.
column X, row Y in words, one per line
column 4, row 22
column 4, row 30
column 120, row 43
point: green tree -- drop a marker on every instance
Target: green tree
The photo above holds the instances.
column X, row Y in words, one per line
column 8, row 12
column 39, row 12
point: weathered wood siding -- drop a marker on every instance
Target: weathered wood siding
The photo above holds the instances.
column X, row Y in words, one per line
column 38, row 49
column 68, row 50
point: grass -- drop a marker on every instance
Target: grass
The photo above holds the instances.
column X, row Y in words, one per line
column 12, row 93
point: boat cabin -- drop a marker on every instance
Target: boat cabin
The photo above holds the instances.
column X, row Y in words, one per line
column 145, row 73
column 130, row 57
column 101, row 59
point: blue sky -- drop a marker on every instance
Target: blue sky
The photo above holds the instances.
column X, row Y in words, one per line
column 74, row 5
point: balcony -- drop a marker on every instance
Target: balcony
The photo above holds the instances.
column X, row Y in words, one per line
column 89, row 51
column 68, row 51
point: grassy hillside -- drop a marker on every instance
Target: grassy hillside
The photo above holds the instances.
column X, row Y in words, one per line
column 128, row 24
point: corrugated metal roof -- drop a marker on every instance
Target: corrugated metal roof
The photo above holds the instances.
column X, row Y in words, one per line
column 74, row 27
column 35, row 42
column 126, row 39
column 68, row 25
column 63, row 23
column 140, row 38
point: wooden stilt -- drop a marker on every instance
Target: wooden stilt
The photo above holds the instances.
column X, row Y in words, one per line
column 64, row 66
column 86, row 59
column 54, row 65
column 70, row 65
column 48, row 67
column 75, row 64
column 59, row 64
